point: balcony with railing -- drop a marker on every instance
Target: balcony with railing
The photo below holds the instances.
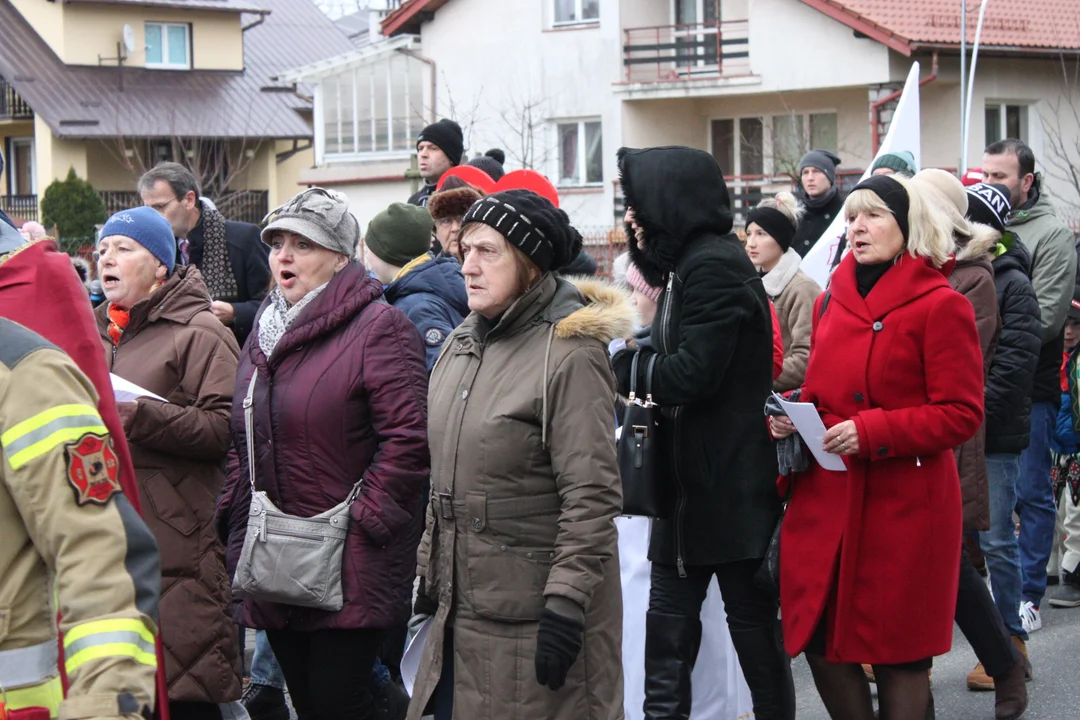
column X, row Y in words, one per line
column 12, row 106
column 687, row 53
column 20, row 207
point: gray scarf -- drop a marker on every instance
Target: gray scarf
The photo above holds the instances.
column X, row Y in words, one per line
column 278, row 316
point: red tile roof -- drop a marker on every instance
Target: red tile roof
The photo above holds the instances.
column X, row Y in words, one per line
column 1010, row 25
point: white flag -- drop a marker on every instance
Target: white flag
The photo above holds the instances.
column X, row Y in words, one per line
column 904, row 134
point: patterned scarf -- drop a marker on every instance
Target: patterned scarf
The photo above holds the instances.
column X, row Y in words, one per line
column 278, row 316
column 215, row 269
column 118, row 322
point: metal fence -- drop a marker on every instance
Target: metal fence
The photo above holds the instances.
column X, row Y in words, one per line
column 12, row 106
column 248, row 206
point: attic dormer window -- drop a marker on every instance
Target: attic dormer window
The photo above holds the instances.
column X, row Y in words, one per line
column 168, row 46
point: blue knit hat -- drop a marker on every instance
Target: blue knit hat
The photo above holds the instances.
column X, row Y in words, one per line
column 149, row 228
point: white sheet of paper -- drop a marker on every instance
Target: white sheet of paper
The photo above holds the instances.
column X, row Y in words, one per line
column 410, row 660
column 126, row 391
column 808, row 423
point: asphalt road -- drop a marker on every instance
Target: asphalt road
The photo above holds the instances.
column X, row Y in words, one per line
column 1054, row 694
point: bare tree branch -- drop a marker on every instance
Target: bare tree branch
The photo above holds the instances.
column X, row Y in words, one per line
column 1061, row 132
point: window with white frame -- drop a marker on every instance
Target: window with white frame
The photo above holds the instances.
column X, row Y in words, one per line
column 375, row 108
column 581, row 153
column 1006, row 121
column 770, row 144
column 168, row 46
column 576, row 12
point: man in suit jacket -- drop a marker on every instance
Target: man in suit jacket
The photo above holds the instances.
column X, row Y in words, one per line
column 230, row 255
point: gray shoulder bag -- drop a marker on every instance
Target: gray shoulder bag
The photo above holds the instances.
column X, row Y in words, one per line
column 287, row 559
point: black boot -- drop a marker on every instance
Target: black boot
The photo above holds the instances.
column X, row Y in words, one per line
column 767, row 669
column 671, row 647
column 263, row 702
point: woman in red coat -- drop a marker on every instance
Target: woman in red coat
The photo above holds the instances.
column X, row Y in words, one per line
column 869, row 556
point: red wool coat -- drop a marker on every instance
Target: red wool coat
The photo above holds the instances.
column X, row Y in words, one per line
column 876, row 550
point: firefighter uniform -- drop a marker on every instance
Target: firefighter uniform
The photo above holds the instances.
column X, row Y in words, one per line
column 72, row 544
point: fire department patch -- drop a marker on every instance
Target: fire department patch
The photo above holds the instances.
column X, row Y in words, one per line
column 92, row 469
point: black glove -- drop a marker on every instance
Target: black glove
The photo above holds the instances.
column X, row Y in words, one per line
column 620, row 365
column 424, row 605
column 558, row 643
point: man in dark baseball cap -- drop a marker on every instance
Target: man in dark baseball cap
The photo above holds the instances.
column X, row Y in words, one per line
column 438, row 148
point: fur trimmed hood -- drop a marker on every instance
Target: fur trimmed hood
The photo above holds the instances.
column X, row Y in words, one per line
column 607, row 313
column 983, row 241
column 678, row 195
column 453, row 203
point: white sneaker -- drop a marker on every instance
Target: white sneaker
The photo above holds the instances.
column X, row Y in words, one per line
column 1029, row 616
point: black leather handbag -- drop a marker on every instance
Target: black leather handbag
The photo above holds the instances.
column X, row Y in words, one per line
column 640, row 453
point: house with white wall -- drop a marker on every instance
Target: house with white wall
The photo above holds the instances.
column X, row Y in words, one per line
column 560, row 85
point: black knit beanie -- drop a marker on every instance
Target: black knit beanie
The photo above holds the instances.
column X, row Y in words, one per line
column 823, row 160
column 775, row 223
column 989, row 204
column 490, row 165
column 893, row 195
column 530, row 223
column 447, row 136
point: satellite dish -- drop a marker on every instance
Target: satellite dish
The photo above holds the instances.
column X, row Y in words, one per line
column 129, row 38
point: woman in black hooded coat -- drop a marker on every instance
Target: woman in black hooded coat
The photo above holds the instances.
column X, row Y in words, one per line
column 713, row 333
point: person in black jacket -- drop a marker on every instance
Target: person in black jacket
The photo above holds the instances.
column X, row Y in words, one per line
column 713, row 334
column 231, row 257
column 1008, row 396
column 819, row 195
column 438, row 148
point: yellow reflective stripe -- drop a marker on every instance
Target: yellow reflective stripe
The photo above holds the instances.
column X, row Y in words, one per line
column 48, row 694
column 41, row 433
column 60, row 436
column 43, row 418
column 108, row 626
column 96, row 652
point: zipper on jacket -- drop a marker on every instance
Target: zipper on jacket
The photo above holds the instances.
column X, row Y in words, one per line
column 665, row 328
column 113, row 362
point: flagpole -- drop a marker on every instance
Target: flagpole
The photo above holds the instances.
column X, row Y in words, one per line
column 963, row 79
column 971, row 83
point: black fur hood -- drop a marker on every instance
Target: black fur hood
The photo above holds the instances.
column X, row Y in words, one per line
column 678, row 195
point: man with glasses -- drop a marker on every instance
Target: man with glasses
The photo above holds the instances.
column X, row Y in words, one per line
column 232, row 259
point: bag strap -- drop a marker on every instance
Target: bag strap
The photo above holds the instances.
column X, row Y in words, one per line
column 633, row 375
column 649, row 378
column 249, row 431
column 824, row 304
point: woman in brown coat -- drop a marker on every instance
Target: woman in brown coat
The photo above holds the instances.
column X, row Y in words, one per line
column 1000, row 666
column 159, row 333
column 770, row 228
column 519, row 563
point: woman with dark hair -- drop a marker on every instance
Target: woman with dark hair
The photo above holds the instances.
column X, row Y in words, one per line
column 712, row 342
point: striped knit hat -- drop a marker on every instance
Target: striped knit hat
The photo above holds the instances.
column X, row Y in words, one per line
column 530, row 223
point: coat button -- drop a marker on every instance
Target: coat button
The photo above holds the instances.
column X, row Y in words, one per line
column 464, row 394
column 477, row 525
column 859, row 397
column 883, row 451
column 878, row 327
column 529, row 555
column 503, row 548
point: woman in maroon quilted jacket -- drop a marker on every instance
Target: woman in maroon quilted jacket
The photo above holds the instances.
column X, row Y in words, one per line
column 340, row 396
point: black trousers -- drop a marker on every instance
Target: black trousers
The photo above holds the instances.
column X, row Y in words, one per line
column 181, row 710
column 328, row 672
column 747, row 607
column 979, row 619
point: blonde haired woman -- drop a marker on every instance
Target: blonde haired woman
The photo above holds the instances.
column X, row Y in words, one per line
column 868, row 561
column 770, row 228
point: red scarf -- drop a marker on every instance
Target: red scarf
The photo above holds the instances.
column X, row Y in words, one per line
column 118, row 322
